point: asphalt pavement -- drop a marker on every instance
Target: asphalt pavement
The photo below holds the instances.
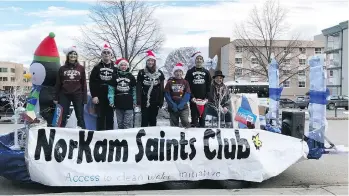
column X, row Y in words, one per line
column 330, row 171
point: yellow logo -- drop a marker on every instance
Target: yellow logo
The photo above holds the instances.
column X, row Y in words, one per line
column 256, row 141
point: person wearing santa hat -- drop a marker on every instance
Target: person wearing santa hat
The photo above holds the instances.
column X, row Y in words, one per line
column 199, row 80
column 71, row 87
column 177, row 95
column 150, row 89
column 122, row 94
column 100, row 77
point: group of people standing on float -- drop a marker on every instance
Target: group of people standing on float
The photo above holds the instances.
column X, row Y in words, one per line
column 113, row 88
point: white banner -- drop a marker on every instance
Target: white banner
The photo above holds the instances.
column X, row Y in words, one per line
column 72, row 157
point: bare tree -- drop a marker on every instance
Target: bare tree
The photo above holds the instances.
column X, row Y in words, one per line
column 128, row 27
column 182, row 55
column 258, row 41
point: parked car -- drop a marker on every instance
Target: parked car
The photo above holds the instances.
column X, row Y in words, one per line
column 286, row 103
column 302, row 102
column 337, row 101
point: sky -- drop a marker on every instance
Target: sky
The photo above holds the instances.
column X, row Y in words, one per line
column 24, row 24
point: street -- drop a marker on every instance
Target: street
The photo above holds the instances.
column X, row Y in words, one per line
column 329, row 170
column 341, row 112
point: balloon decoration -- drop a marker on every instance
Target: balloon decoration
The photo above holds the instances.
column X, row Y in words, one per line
column 43, row 72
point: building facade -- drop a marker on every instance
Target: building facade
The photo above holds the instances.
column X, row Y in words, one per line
column 336, row 50
column 239, row 63
column 11, row 75
column 215, row 44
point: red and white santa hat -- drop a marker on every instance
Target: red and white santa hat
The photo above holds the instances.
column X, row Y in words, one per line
column 119, row 61
column 196, row 54
column 106, row 47
column 150, row 55
column 70, row 49
column 179, row 66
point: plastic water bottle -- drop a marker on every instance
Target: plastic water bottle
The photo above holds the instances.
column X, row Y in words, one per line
column 137, row 117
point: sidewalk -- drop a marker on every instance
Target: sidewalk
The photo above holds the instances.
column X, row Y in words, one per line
column 312, row 190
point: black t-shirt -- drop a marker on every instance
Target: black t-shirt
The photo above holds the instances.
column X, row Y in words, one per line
column 124, row 89
column 101, row 76
column 144, row 82
column 199, row 81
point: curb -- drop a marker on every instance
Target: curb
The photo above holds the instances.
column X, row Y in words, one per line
column 311, row 190
column 334, row 118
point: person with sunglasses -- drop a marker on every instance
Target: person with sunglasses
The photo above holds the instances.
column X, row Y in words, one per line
column 100, row 78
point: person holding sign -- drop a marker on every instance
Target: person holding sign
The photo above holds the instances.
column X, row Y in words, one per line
column 199, row 80
column 219, row 99
column 177, row 95
column 150, row 90
column 71, row 87
column 122, row 94
column 100, row 78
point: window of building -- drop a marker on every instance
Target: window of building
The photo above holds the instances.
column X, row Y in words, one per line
column 301, row 72
column 286, row 71
column 286, row 84
column 3, row 79
column 238, row 60
column 301, row 61
column 301, row 84
column 254, row 61
column 238, row 72
column 238, row 49
column 13, row 70
column 302, row 50
column 331, row 73
column 253, row 73
column 287, row 61
column 318, row 51
column 333, row 59
column 13, row 79
column 3, row 70
column 333, row 41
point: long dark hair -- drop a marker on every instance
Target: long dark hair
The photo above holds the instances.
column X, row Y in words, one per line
column 67, row 58
column 152, row 69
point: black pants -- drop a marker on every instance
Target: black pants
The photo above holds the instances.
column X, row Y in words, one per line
column 78, row 103
column 149, row 115
column 105, row 115
column 195, row 116
column 46, row 112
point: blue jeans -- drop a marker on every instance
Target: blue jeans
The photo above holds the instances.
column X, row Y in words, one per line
column 124, row 118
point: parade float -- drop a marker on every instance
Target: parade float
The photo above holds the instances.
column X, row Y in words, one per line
column 55, row 156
